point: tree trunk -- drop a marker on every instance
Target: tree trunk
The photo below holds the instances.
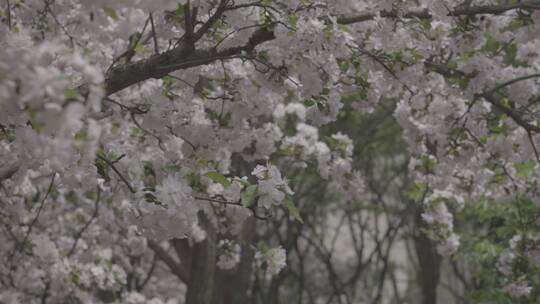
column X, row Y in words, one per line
column 203, row 266
column 429, row 262
column 232, row 286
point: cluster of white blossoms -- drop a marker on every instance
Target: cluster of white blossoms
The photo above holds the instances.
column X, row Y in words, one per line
column 230, row 254
column 124, row 122
column 272, row 188
column 274, row 259
column 172, row 215
column 517, row 285
column 518, row 289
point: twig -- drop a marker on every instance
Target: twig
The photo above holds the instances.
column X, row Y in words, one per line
column 108, row 162
column 131, row 48
column 41, row 205
column 182, row 80
column 194, row 147
column 529, row 135
column 148, row 274
column 213, row 200
column 208, row 24
column 154, row 37
column 160, row 141
column 254, row 4
column 512, row 81
column 83, row 229
column 9, row 14
column 135, row 109
column 62, row 27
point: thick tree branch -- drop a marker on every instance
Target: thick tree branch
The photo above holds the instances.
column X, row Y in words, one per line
column 203, row 266
column 422, row 14
column 491, row 98
column 179, row 58
column 183, row 251
column 8, row 171
column 176, row 268
column 185, row 56
column 426, row 14
column 127, row 75
column 494, row 9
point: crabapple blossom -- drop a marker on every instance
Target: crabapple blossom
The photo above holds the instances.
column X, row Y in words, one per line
column 140, row 140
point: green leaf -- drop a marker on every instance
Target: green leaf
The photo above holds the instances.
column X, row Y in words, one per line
column 344, row 66
column 76, row 276
column 491, row 46
column 218, row 178
column 71, row 95
column 426, row 164
column 110, row 12
column 81, row 135
column 525, row 170
column 139, row 48
column 109, row 264
column 293, row 211
column 248, row 196
column 33, row 118
column 418, row 192
column 292, row 20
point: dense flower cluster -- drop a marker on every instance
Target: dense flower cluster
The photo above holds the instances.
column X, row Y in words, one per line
column 126, row 123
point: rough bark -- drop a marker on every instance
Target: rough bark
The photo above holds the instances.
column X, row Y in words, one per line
column 185, row 55
column 203, row 267
column 429, row 263
column 232, row 286
column 179, row 58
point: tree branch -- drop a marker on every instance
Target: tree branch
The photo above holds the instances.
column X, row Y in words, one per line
column 512, row 81
column 188, row 25
column 87, row 224
column 494, row 9
column 34, row 220
column 215, row 17
column 185, row 56
column 489, row 95
column 9, row 171
column 422, row 14
column 426, row 14
column 178, row 58
column 511, row 113
column 8, row 14
column 154, row 37
column 175, row 267
column 111, row 164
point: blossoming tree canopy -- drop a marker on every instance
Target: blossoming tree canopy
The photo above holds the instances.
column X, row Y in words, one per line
column 127, row 123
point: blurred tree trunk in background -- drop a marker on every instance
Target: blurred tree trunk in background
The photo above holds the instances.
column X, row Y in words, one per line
column 429, row 262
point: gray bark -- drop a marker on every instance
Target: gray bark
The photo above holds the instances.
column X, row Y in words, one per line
column 429, row 263
column 203, row 267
